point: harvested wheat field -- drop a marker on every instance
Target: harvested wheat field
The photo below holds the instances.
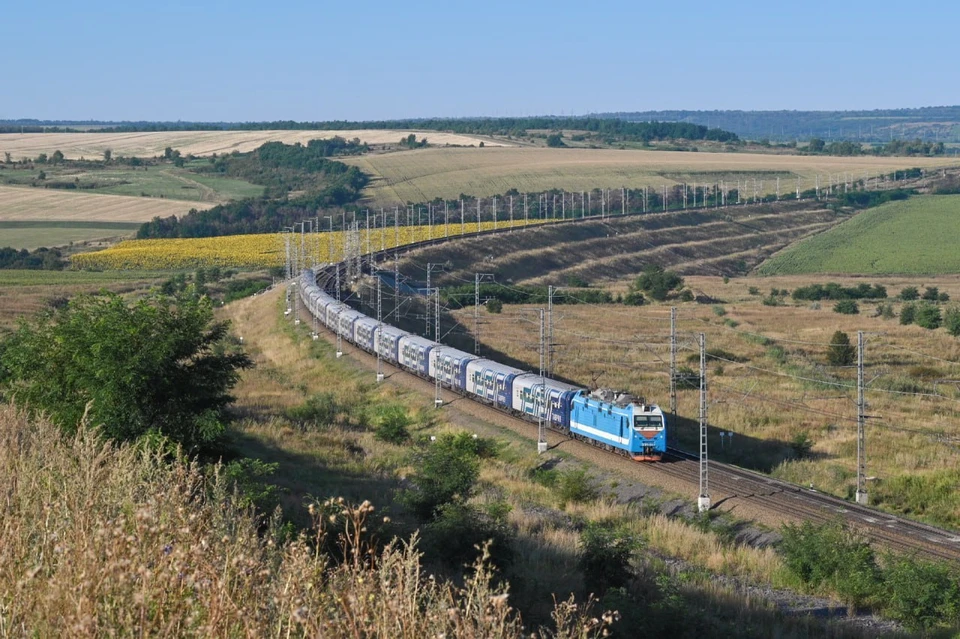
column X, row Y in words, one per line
column 30, row 204
column 151, row 144
column 424, row 174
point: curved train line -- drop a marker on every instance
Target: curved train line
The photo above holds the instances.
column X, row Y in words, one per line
column 772, row 494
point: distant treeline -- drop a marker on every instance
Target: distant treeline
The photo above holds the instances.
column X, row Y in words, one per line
column 46, row 259
column 615, row 129
column 280, row 168
column 874, row 126
column 462, row 296
column 894, row 147
column 834, row 291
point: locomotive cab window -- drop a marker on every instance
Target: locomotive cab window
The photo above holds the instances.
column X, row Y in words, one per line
column 647, row 422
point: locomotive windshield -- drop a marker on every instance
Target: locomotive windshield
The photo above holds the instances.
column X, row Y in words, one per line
column 647, row 422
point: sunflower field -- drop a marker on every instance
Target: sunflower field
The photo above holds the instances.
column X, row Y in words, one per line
column 268, row 249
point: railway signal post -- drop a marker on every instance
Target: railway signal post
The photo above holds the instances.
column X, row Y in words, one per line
column 703, row 501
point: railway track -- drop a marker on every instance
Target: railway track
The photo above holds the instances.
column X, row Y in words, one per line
column 894, row 532
column 777, row 496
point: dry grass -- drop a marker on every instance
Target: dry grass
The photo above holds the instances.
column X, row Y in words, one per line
column 105, row 540
column 424, row 174
column 151, row 144
column 32, row 204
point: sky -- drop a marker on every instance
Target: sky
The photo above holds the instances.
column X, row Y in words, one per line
column 368, row 60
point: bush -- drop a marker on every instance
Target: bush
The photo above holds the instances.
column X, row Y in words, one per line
column 719, row 311
column 928, row 316
column 319, row 410
column 658, row 283
column 392, row 424
column 831, row 555
column 494, row 306
column 846, row 307
column 931, row 294
column 908, row 313
column 801, row 444
column 753, row 290
column 447, row 472
column 952, row 321
column 634, row 298
column 575, row 486
column 772, row 300
column 605, row 555
column 922, row 594
column 459, row 533
column 909, row 293
column 246, row 477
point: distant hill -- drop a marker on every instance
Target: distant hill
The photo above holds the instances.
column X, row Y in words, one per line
column 939, row 124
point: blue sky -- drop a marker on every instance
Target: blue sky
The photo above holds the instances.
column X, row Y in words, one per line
column 239, row 61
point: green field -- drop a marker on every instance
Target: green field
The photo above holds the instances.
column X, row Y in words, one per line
column 18, row 277
column 916, row 236
column 162, row 181
column 31, row 235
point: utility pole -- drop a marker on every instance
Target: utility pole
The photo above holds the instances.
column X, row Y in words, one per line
column 526, row 213
column 541, row 426
column 437, row 399
column 446, row 219
column 476, row 310
column 673, row 364
column 396, row 284
column 379, row 340
column 430, row 267
column 511, row 214
column 494, row 212
column 550, row 290
column 861, row 420
column 339, row 310
column 463, row 222
column 703, row 501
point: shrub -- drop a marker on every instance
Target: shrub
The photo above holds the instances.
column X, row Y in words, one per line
column 952, row 321
column 575, row 486
column 319, row 410
column 392, row 424
column 447, row 472
column 687, row 378
column 909, row 293
column 922, row 594
column 928, row 316
column 686, row 295
column 719, row 311
column 908, row 313
column 931, row 294
column 605, row 555
column 846, row 307
column 753, row 290
column 841, row 351
column 658, row 283
column 801, row 444
column 459, row 533
column 494, row 306
column 772, row 300
column 634, row 298
column 246, row 476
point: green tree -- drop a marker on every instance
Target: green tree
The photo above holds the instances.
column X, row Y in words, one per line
column 928, row 316
column 931, row 294
column 42, row 158
column 154, row 366
column 909, row 293
column 908, row 313
column 494, row 305
column 605, row 555
column 846, row 307
column 57, row 157
column 816, row 145
column 107, row 155
column 952, row 321
column 658, row 283
column 922, row 594
column 841, row 351
column 447, row 473
column 555, row 140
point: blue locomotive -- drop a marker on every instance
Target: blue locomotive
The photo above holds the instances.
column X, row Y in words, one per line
column 614, row 421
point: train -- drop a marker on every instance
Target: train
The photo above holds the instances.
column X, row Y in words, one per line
column 615, row 421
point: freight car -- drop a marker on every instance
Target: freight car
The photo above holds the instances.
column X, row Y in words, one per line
column 614, row 421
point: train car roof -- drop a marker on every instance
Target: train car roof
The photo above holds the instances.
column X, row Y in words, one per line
column 489, row 364
column 389, row 329
column 533, row 379
column 449, row 350
column 420, row 341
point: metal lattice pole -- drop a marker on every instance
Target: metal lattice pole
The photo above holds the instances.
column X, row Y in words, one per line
column 703, row 501
column 437, row 400
column 673, row 363
column 861, row 421
column 339, row 310
column 378, row 341
column 541, row 410
column 476, row 314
